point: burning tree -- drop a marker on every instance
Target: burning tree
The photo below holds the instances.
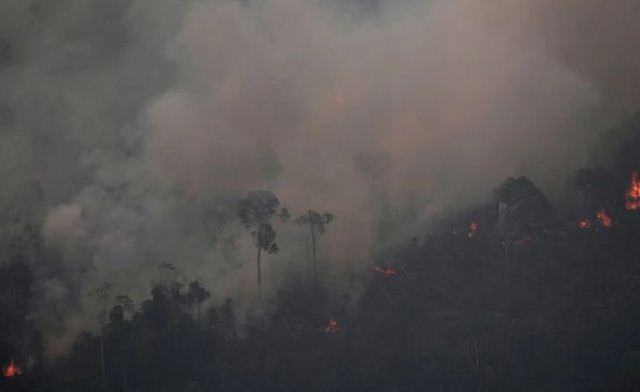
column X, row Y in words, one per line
column 604, row 218
column 332, row 326
column 11, row 370
column 373, row 165
column 473, row 227
column 384, row 271
column 255, row 213
column 585, row 223
column 633, row 193
column 317, row 223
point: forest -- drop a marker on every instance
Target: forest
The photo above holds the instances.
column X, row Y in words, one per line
column 515, row 294
column 319, row 195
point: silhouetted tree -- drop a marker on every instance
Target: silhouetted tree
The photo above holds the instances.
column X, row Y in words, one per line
column 521, row 206
column 118, row 341
column 167, row 273
column 317, row 223
column 373, row 165
column 523, row 203
column 196, row 295
column 255, row 213
column 125, row 302
column 101, row 294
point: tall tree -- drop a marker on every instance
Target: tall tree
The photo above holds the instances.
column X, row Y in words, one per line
column 317, row 223
column 101, row 294
column 521, row 207
column 373, row 165
column 255, row 213
column 167, row 274
column 119, row 341
column 524, row 205
column 195, row 296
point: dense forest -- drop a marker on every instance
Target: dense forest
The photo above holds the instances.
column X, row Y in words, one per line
column 515, row 294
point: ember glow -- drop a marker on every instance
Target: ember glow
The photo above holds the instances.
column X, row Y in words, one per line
column 523, row 240
column 584, row 223
column 472, row 229
column 604, row 219
column 332, row 326
column 339, row 99
column 11, row 370
column 633, row 193
column 384, row 271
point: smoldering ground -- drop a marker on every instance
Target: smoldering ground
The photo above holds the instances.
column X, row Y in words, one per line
column 144, row 120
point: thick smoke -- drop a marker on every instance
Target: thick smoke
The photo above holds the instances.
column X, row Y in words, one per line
column 143, row 120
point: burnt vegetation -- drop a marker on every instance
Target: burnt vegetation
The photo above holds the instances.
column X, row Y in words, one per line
column 513, row 295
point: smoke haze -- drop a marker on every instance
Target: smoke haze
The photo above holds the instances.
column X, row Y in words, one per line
column 143, row 120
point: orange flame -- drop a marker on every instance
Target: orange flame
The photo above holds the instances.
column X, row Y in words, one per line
column 332, row 326
column 584, row 223
column 604, row 218
column 523, row 240
column 633, row 193
column 384, row 271
column 11, row 370
column 472, row 229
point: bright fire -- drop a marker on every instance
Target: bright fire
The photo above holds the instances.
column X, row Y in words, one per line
column 604, row 218
column 384, row 271
column 584, row 223
column 633, row 193
column 472, row 229
column 332, row 326
column 11, row 370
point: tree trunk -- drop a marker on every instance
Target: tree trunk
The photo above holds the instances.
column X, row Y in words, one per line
column 373, row 215
column 259, row 274
column 313, row 253
column 507, row 242
column 308, row 249
column 102, row 368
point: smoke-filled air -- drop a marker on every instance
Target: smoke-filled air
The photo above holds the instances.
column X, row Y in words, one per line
column 320, row 195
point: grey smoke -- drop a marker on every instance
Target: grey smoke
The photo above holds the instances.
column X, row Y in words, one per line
column 144, row 119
